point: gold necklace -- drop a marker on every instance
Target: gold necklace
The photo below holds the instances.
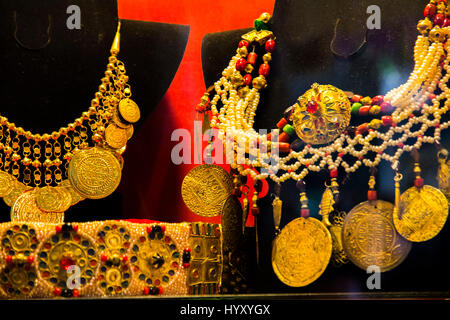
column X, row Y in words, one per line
column 81, row 160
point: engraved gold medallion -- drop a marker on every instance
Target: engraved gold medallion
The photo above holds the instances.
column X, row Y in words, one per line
column 94, row 173
column 17, row 189
column 115, row 136
column 423, row 213
column 370, row 238
column 26, row 209
column 74, row 195
column 129, row 110
column 119, row 122
column 53, row 199
column 301, row 252
column 6, row 182
column 205, row 189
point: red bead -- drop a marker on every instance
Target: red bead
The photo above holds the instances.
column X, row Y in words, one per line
column 255, row 211
column 356, row 98
column 146, row 291
column 75, row 228
column 284, row 147
column 187, row 249
column 66, row 263
column 364, row 111
column 104, row 257
column 30, row 259
column 446, row 23
column 163, row 228
column 431, row 96
column 281, row 124
column 418, row 183
column 362, row 128
column 243, row 43
column 57, row 291
column 270, row 45
column 304, row 213
column 124, row 258
column 269, row 136
column 186, row 265
column 251, row 58
column 248, row 79
column 430, row 10
column 400, row 145
column 75, row 293
column 264, row 69
column 283, row 137
column 372, row 195
column 9, row 259
column 312, row 106
column 377, row 100
column 340, row 154
column 333, row 173
column 439, row 19
column 58, row 229
column 387, row 120
column 149, row 229
column 386, row 107
column 161, row 289
column 241, row 64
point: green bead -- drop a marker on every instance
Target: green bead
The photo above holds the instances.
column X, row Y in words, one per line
column 259, row 25
column 355, row 108
column 289, row 130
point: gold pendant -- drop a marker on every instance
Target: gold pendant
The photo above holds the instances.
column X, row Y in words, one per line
column 338, row 257
column 129, row 110
column 231, row 220
column 423, row 213
column 118, row 121
column 53, row 199
column 301, row 252
column 205, row 189
column 6, row 182
column 277, row 207
column 74, row 195
column 370, row 238
column 94, row 173
column 321, row 114
column 115, row 136
column 17, row 189
column 25, row 209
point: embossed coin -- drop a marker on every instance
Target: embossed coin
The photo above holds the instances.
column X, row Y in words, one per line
column 119, row 122
column 74, row 195
column 53, row 199
column 301, row 252
column 423, row 212
column 130, row 132
column 369, row 236
column 26, row 209
column 5, row 183
column 231, row 220
column 94, row 173
column 205, row 189
column 129, row 110
column 17, row 189
column 115, row 136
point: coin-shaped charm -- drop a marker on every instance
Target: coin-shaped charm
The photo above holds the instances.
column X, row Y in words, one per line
column 301, row 252
column 370, row 239
column 205, row 189
column 53, row 199
column 115, row 136
column 129, row 110
column 94, row 173
column 74, row 195
column 6, row 182
column 423, row 212
column 118, row 121
column 17, row 189
column 26, row 209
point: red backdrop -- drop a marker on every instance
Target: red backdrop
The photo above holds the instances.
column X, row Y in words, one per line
column 157, row 185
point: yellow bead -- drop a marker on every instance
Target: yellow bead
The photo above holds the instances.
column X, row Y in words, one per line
column 374, row 110
column 375, row 124
column 366, row 101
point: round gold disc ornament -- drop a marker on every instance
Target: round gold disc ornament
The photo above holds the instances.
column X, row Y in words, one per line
column 26, row 209
column 115, row 136
column 129, row 110
column 205, row 189
column 74, row 195
column 5, row 183
column 17, row 189
column 53, row 199
column 94, row 173
column 119, row 122
column 301, row 252
column 370, row 238
column 423, row 213
column 321, row 114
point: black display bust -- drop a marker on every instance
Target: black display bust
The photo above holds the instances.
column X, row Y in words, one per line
column 50, row 72
column 328, row 42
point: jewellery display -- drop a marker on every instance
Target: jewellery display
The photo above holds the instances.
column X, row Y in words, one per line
column 316, row 134
column 114, row 258
column 53, row 171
